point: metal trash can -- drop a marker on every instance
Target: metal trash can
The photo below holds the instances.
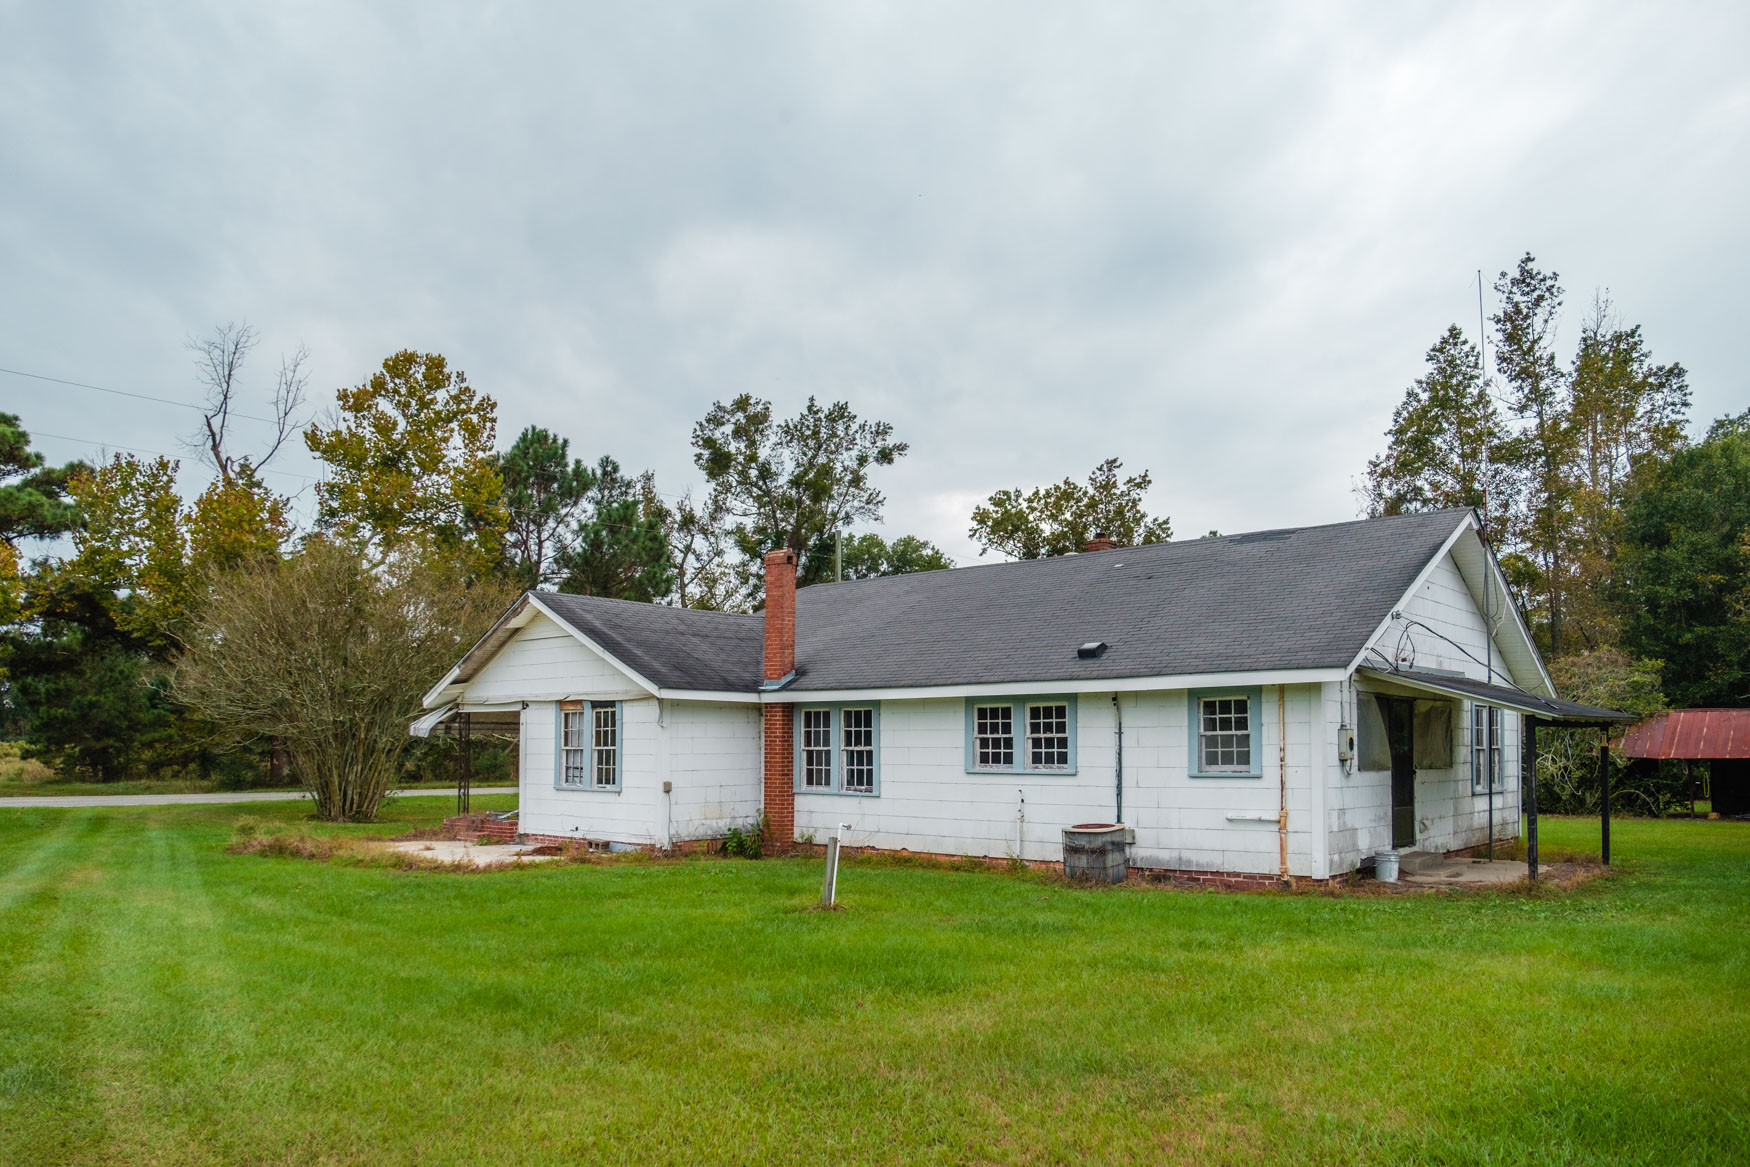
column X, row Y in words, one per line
column 1098, row 852
column 1385, row 866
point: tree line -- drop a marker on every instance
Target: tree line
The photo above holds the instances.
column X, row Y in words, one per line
column 1625, row 541
column 213, row 638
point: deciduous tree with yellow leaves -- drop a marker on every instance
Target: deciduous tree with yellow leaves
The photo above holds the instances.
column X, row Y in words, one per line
column 410, row 462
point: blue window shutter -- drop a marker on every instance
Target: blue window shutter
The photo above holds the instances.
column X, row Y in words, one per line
column 970, row 756
column 619, row 745
column 558, row 745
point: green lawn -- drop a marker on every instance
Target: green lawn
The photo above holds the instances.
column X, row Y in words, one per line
column 162, row 1001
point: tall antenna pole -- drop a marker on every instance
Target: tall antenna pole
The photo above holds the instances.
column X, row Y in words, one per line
column 1488, row 576
column 1488, row 586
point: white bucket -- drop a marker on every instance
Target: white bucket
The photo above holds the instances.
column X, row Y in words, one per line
column 1385, row 866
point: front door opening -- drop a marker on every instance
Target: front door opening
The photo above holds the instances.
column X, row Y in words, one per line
column 1400, row 734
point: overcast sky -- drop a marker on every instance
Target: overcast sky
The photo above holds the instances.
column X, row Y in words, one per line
column 1214, row 240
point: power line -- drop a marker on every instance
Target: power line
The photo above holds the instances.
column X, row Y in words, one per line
column 36, row 433
column 126, row 393
column 180, row 405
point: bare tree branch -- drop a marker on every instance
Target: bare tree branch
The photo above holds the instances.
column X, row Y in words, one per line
column 219, row 361
column 288, row 397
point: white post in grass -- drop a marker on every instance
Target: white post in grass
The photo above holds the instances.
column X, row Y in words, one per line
column 830, row 888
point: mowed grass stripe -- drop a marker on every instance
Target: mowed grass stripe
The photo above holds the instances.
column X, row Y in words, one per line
column 49, row 1087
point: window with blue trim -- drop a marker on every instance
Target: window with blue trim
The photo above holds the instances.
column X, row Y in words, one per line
column 838, row 749
column 1224, row 738
column 589, row 745
column 1021, row 735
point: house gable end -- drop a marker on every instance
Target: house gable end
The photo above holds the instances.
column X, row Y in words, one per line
column 1439, row 624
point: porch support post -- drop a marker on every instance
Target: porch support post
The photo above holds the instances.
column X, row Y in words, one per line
column 1530, row 795
column 1604, row 790
column 464, row 761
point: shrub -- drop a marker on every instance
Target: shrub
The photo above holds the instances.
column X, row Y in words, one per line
column 327, row 653
column 746, row 844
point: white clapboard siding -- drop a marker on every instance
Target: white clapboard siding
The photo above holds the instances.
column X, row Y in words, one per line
column 929, row 803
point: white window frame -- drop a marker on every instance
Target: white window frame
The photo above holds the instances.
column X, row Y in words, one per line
column 821, row 730
column 588, row 746
column 856, row 774
column 1037, row 737
column 815, row 728
column 1022, row 739
column 989, row 739
column 573, row 748
column 1488, row 747
column 604, row 757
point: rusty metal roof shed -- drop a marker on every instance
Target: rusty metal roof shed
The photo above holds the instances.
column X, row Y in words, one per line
column 1695, row 734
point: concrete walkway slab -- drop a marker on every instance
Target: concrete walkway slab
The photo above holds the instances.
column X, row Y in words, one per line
column 479, row 855
column 1466, row 872
column 70, row 801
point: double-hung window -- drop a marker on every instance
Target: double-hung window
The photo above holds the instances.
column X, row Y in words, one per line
column 1048, row 736
column 1224, row 741
column 1007, row 736
column 1224, row 734
column 1487, row 749
column 817, row 749
column 589, row 745
column 994, row 733
column 606, row 723
column 857, row 750
column 838, row 749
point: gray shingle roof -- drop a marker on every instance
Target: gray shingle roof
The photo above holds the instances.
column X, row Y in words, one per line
column 1306, row 597
column 673, row 648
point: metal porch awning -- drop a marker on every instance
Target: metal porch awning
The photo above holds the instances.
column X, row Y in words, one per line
column 501, row 720
column 1549, row 710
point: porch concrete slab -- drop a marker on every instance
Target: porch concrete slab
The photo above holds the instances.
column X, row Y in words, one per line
column 456, row 851
column 1463, row 872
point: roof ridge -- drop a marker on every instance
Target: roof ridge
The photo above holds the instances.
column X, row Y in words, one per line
column 1145, row 547
column 652, row 605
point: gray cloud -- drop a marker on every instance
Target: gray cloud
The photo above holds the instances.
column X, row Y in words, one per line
column 1214, row 240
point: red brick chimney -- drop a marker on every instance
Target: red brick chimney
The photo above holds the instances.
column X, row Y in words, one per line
column 780, row 724
column 780, row 613
column 1101, row 542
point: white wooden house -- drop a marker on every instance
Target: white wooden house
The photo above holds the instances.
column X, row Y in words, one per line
column 1278, row 703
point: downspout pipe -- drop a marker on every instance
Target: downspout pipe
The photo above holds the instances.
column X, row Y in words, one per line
column 1282, row 769
column 1118, row 766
